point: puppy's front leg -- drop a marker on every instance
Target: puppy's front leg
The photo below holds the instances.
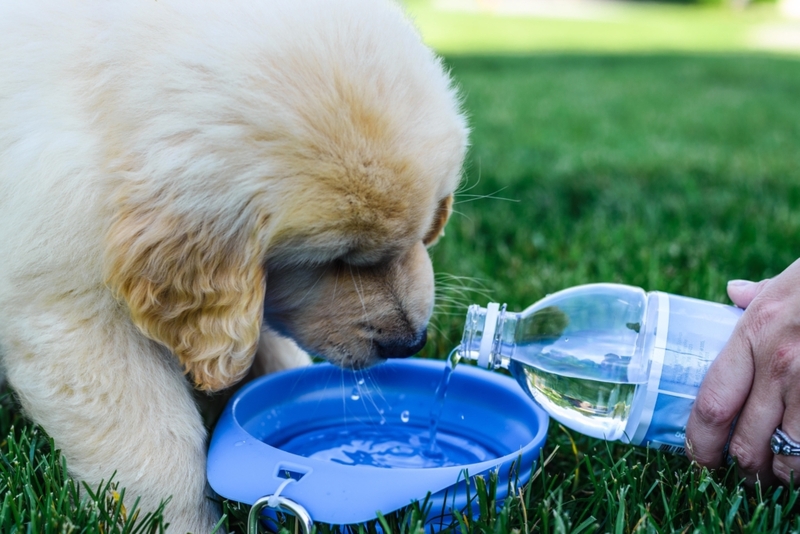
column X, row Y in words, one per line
column 276, row 353
column 114, row 402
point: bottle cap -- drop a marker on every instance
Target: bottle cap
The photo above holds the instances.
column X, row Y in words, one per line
column 487, row 339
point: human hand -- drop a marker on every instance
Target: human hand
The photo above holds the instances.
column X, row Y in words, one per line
column 757, row 376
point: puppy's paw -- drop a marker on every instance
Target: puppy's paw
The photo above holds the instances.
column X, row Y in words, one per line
column 276, row 353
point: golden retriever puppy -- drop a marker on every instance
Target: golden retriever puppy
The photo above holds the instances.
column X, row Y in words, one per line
column 193, row 188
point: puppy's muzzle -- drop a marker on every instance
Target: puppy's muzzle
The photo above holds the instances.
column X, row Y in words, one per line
column 402, row 348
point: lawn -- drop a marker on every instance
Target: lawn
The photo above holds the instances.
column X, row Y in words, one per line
column 669, row 170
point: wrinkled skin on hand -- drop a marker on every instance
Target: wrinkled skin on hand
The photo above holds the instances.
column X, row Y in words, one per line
column 757, row 377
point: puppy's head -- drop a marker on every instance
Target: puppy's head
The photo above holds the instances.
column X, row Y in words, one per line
column 370, row 298
column 311, row 208
column 347, row 271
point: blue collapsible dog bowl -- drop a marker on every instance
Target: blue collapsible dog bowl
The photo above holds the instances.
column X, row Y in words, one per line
column 247, row 464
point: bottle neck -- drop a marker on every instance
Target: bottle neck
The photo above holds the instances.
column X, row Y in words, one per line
column 488, row 337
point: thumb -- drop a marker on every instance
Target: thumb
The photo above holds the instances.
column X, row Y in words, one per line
column 742, row 292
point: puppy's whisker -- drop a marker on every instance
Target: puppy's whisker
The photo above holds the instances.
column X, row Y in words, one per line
column 440, row 332
column 451, row 282
column 488, row 196
column 358, row 390
column 376, row 388
column 448, row 290
column 454, row 294
column 344, row 396
column 314, row 285
column 451, row 311
column 462, row 298
column 461, row 214
column 457, row 289
column 464, row 186
column 370, row 391
column 457, row 300
column 458, row 277
column 451, row 308
column 446, row 309
column 461, row 291
column 335, row 285
column 449, row 315
column 433, row 326
column 445, row 277
column 358, row 287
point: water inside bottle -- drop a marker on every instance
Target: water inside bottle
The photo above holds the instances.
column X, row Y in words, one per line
column 580, row 381
column 593, row 407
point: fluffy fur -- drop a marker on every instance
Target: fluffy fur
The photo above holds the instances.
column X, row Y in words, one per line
column 204, row 188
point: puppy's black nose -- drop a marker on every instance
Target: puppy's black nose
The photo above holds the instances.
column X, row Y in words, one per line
column 402, row 348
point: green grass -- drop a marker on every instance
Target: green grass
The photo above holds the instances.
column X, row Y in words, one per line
column 671, row 172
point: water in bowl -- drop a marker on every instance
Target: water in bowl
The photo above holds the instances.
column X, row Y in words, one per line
column 389, row 445
column 393, row 444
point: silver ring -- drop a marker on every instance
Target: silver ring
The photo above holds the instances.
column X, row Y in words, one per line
column 781, row 443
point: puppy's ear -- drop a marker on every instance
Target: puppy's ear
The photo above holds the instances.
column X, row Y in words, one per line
column 196, row 288
column 439, row 221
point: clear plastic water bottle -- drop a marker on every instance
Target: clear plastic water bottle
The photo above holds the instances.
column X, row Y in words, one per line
column 607, row 360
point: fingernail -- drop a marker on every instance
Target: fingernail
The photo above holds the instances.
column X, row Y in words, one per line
column 739, row 283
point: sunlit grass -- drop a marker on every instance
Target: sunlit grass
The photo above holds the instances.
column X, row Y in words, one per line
column 603, row 27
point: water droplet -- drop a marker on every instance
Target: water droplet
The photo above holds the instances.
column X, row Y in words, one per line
column 405, row 416
column 239, row 443
column 355, row 394
column 361, row 382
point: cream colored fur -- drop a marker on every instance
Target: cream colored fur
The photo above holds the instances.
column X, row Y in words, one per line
column 185, row 182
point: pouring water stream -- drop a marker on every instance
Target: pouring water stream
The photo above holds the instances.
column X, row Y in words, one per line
column 433, row 450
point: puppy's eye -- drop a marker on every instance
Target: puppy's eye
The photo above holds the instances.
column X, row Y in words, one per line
column 439, row 221
column 358, row 258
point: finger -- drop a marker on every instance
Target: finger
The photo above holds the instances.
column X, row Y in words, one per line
column 742, row 292
column 786, row 467
column 722, row 395
column 750, row 441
